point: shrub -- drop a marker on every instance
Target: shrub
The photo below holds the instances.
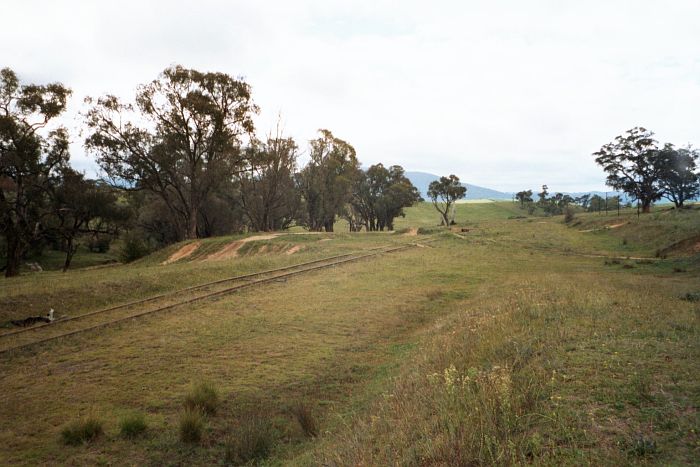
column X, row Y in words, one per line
column 251, row 441
column 82, row 431
column 306, row 419
column 99, row 244
column 132, row 425
column 134, row 247
column 569, row 214
column 203, row 397
column 191, row 426
column 691, row 297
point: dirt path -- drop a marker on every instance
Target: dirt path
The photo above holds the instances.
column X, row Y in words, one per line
column 183, row 252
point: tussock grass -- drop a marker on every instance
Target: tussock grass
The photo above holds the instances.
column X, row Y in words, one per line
column 202, row 396
column 82, row 431
column 132, row 425
column 303, row 414
column 191, row 425
column 251, row 441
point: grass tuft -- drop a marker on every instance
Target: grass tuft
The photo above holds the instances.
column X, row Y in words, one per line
column 306, row 418
column 132, row 426
column 82, row 431
column 251, row 441
column 204, row 397
column 191, row 425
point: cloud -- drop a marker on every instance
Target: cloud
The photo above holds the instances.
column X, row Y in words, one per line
column 505, row 94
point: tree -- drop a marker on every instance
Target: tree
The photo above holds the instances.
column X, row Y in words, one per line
column 583, row 200
column 267, row 192
column 634, row 165
column 379, row 196
column 30, row 153
column 81, row 206
column 524, row 197
column 679, row 180
column 181, row 140
column 326, row 181
column 443, row 193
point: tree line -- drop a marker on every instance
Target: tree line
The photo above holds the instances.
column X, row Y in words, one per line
column 636, row 165
column 180, row 161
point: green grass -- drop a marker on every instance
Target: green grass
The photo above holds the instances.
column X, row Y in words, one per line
column 81, row 431
column 132, row 425
column 511, row 343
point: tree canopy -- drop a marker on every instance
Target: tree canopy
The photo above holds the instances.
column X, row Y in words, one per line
column 182, row 138
column 444, row 193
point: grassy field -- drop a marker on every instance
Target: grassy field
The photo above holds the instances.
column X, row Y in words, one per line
column 511, row 339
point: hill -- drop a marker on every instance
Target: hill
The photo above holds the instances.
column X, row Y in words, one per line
column 421, row 180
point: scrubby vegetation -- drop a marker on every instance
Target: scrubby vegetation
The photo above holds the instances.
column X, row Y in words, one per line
column 204, row 397
column 82, row 431
column 132, row 425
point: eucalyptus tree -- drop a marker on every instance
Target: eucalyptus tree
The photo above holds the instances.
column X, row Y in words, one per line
column 32, row 150
column 634, row 165
column 380, row 195
column 680, row 180
column 268, row 195
column 444, row 193
column 181, row 139
column 325, row 183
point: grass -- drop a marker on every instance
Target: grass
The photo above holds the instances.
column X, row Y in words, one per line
column 252, row 441
column 191, row 425
column 82, row 431
column 203, row 397
column 132, row 425
column 511, row 343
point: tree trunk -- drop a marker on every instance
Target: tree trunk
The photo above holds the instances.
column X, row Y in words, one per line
column 646, row 207
column 192, row 224
column 70, row 251
column 14, row 255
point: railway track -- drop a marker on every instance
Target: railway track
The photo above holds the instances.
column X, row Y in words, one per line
column 97, row 319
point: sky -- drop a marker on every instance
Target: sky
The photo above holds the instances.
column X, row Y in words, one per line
column 505, row 94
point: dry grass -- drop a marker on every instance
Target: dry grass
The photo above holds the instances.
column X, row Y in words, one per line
column 472, row 350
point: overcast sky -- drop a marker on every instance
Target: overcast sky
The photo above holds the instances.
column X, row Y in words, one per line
column 505, row 94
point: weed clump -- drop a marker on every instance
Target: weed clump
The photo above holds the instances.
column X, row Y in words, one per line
column 132, row 426
column 204, row 397
column 304, row 415
column 642, row 446
column 82, row 431
column 251, row 441
column 691, row 297
column 191, row 425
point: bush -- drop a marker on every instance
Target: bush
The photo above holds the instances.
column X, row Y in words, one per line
column 306, row 419
column 191, row 425
column 203, row 397
column 251, row 441
column 99, row 244
column 82, row 431
column 569, row 214
column 132, row 425
column 134, row 248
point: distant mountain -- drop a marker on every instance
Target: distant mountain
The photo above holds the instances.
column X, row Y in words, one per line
column 421, row 180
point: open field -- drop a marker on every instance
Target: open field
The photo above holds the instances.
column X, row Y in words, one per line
column 518, row 340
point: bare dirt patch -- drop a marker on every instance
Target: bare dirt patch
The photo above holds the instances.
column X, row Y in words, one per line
column 686, row 247
column 231, row 250
column 183, row 252
column 292, row 250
